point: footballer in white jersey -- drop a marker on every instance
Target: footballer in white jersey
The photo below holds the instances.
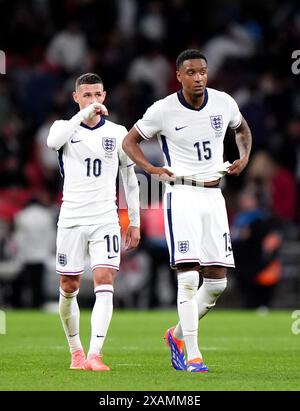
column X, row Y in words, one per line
column 90, row 155
column 89, row 163
column 190, row 126
column 192, row 139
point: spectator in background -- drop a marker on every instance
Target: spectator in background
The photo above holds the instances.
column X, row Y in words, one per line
column 127, row 11
column 151, row 67
column 68, row 49
column 152, row 25
column 12, row 154
column 47, row 159
column 290, row 147
column 289, row 150
column 12, row 174
column 256, row 242
column 34, row 234
column 257, row 110
column 6, row 104
column 275, row 185
column 235, row 41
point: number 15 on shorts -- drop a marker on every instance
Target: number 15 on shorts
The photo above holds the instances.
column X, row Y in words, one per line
column 227, row 244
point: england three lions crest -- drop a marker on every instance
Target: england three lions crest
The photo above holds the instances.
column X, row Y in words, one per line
column 216, row 122
column 109, row 144
column 62, row 259
column 183, row 246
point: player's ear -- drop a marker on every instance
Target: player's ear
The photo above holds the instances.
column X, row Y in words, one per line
column 104, row 95
column 75, row 97
column 178, row 76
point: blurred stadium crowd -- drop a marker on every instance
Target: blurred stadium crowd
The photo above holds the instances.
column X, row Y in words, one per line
column 133, row 45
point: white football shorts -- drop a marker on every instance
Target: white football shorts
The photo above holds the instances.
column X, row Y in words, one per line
column 101, row 243
column 196, row 226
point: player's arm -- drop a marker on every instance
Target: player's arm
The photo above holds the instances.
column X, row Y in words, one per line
column 131, row 146
column 131, row 189
column 243, row 139
column 61, row 131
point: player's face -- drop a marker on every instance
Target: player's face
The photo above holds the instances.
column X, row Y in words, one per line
column 193, row 76
column 87, row 94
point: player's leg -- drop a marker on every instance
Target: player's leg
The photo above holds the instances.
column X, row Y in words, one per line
column 214, row 283
column 104, row 250
column 70, row 316
column 188, row 282
column 182, row 244
column 70, row 264
column 217, row 254
column 101, row 316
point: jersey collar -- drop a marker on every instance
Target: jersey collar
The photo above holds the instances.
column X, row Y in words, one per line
column 101, row 122
column 183, row 101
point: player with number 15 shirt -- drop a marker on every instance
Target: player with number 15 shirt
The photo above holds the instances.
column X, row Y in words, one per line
column 190, row 126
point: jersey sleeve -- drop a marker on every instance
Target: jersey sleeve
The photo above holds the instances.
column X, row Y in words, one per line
column 124, row 160
column 61, row 131
column 235, row 114
column 151, row 123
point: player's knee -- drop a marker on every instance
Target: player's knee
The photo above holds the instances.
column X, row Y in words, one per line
column 188, row 267
column 69, row 284
column 188, row 283
column 214, row 272
column 104, row 276
column 215, row 287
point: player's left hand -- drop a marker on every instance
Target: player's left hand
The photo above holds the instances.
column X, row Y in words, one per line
column 238, row 166
column 132, row 238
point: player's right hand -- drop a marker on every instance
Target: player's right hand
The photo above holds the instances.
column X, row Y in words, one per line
column 94, row 109
column 162, row 174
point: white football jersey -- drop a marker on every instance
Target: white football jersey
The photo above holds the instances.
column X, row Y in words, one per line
column 89, row 163
column 192, row 139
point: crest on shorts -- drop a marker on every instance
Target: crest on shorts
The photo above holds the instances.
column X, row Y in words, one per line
column 183, row 246
column 217, row 122
column 109, row 144
column 62, row 259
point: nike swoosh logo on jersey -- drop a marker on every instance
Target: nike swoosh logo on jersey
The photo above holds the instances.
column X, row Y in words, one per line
column 112, row 256
column 179, row 128
column 227, row 255
column 75, row 141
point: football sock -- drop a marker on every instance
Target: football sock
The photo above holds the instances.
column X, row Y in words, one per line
column 206, row 298
column 208, row 293
column 188, row 282
column 69, row 315
column 101, row 316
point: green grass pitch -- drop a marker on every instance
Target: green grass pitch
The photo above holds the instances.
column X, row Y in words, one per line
column 243, row 350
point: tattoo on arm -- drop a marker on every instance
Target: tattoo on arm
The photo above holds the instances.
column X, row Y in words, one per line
column 243, row 139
